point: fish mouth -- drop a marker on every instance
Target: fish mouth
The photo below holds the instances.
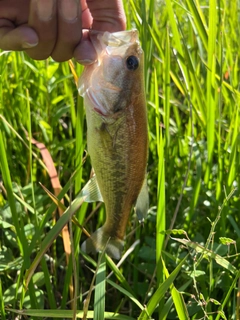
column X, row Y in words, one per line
column 118, row 39
column 114, row 42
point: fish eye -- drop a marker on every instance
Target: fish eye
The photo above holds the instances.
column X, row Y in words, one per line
column 132, row 63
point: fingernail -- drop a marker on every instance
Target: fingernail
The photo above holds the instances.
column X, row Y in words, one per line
column 27, row 45
column 45, row 9
column 69, row 9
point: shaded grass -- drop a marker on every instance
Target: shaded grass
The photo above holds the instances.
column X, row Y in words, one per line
column 192, row 87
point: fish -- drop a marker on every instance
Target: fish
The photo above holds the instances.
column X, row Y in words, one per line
column 117, row 135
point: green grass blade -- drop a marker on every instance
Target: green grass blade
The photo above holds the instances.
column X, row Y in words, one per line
column 177, row 297
column 211, row 103
column 198, row 17
column 53, row 233
column 168, row 304
column 159, row 293
column 235, row 225
column 167, row 89
column 118, row 274
column 227, row 297
column 79, row 151
column 67, row 314
column 20, row 236
column 161, row 219
column 48, row 284
column 69, row 94
column 234, row 146
column 50, row 211
column 209, row 253
column 175, row 30
column 100, row 290
column 2, row 308
column 126, row 293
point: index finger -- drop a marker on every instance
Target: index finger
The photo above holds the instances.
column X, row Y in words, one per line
column 43, row 19
column 69, row 29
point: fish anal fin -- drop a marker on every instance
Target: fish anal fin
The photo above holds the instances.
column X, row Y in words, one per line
column 142, row 203
column 100, row 241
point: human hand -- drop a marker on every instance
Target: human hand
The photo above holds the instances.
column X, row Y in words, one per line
column 44, row 28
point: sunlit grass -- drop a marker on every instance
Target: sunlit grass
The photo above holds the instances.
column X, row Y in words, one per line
column 192, row 88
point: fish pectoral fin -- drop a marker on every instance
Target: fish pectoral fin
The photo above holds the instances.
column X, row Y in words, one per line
column 142, row 204
column 91, row 191
column 82, row 84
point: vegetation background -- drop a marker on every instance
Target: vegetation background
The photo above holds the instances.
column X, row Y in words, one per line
column 192, row 87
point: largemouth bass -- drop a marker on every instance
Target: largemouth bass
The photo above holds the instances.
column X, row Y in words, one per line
column 114, row 98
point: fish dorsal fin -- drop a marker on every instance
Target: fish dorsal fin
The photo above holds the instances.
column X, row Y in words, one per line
column 142, row 204
column 91, row 191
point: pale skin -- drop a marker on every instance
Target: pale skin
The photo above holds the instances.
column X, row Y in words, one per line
column 57, row 28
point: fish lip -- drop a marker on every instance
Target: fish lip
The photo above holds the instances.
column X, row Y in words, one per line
column 115, row 39
column 120, row 38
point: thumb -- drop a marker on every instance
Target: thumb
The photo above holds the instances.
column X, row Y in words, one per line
column 107, row 15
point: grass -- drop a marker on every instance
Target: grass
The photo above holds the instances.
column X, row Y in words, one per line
column 190, row 271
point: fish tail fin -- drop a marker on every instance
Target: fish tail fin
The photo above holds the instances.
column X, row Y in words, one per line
column 101, row 241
